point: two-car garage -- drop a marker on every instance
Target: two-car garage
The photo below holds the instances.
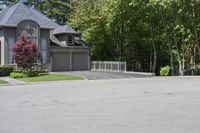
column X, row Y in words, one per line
column 70, row 59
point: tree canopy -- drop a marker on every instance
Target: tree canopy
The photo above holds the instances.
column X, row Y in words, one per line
column 148, row 34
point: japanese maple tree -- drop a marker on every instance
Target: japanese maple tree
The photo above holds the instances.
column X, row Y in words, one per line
column 25, row 53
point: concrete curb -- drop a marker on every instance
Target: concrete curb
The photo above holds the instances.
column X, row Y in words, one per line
column 140, row 73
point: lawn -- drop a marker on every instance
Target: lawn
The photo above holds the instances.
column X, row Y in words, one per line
column 3, row 82
column 51, row 77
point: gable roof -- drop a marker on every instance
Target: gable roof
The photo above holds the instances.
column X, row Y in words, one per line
column 11, row 16
column 64, row 29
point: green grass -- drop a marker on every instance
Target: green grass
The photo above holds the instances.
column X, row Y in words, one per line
column 50, row 77
column 3, row 82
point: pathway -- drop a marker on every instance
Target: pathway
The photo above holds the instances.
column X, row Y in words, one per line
column 12, row 81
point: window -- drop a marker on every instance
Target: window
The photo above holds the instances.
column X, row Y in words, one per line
column 44, row 50
column 29, row 29
column 70, row 39
column 11, row 41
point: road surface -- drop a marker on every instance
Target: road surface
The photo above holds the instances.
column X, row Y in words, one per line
column 142, row 105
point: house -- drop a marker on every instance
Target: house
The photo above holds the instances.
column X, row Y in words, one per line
column 61, row 47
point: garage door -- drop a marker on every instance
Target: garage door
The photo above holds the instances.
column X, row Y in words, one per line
column 79, row 61
column 60, row 62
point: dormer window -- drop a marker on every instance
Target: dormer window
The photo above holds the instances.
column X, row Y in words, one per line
column 69, row 39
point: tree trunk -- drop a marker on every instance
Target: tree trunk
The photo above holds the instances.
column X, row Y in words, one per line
column 150, row 59
column 195, row 30
column 168, row 44
column 154, row 47
column 180, row 70
column 171, row 58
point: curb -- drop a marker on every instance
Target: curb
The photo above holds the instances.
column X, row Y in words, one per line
column 140, row 73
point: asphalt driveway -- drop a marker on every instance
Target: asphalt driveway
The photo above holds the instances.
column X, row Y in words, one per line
column 95, row 75
column 137, row 105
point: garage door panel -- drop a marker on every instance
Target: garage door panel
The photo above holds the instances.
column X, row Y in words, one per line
column 61, row 62
column 79, row 61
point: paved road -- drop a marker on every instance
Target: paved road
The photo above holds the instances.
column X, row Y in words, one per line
column 152, row 105
column 95, row 75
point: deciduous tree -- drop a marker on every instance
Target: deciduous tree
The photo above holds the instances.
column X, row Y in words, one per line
column 25, row 53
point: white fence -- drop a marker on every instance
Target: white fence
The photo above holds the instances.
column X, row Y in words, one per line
column 111, row 66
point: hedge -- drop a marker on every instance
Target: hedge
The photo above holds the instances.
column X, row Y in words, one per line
column 5, row 70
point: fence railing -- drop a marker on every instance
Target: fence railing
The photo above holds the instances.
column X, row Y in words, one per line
column 111, row 66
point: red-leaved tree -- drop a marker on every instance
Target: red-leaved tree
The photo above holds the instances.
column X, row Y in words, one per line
column 25, row 53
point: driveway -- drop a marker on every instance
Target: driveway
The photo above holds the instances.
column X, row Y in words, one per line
column 137, row 105
column 93, row 75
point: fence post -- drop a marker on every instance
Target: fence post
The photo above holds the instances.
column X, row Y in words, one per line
column 99, row 65
column 94, row 66
column 105, row 65
column 111, row 66
column 125, row 66
column 118, row 66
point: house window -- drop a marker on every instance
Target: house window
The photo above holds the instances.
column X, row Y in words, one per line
column 70, row 39
column 11, row 41
column 29, row 29
column 44, row 51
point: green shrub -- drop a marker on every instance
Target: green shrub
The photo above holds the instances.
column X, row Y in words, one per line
column 5, row 70
column 197, row 71
column 164, row 71
column 17, row 75
column 32, row 73
column 28, row 73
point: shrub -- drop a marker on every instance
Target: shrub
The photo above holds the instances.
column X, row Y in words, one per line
column 32, row 73
column 28, row 73
column 5, row 70
column 25, row 53
column 17, row 75
column 197, row 71
column 164, row 71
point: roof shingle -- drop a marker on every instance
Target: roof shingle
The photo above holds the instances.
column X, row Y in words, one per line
column 11, row 16
column 65, row 29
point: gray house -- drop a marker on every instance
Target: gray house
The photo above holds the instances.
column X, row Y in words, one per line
column 61, row 47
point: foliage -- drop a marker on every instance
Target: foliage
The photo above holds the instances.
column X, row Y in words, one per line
column 146, row 34
column 5, row 70
column 17, row 75
column 197, row 72
column 164, row 71
column 25, row 53
column 32, row 73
